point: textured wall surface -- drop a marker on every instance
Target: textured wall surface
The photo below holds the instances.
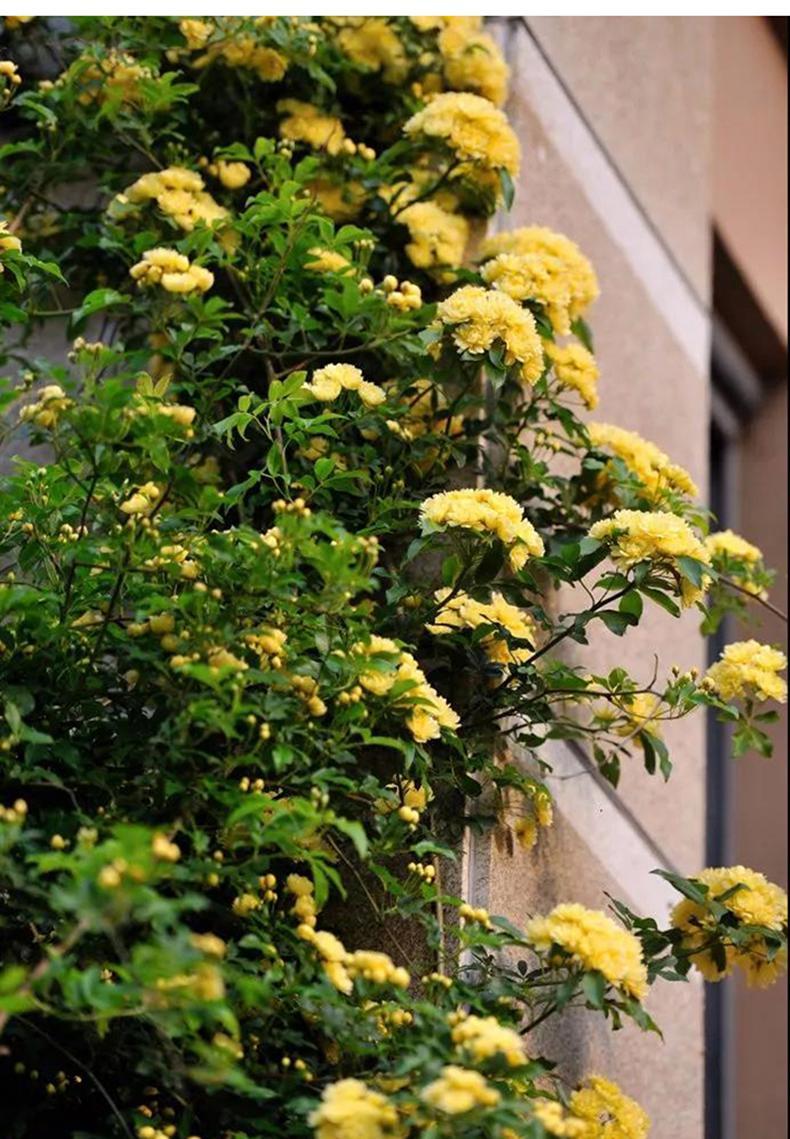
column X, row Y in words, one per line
column 632, row 165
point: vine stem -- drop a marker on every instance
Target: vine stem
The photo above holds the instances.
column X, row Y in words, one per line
column 539, row 1019
column 755, row 597
column 79, row 1064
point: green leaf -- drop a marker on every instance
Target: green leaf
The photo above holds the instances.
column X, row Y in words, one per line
column 97, row 301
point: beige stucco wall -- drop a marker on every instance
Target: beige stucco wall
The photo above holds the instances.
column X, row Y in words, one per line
column 644, row 87
column 750, row 157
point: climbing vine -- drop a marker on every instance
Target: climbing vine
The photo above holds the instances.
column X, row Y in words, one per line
column 302, row 508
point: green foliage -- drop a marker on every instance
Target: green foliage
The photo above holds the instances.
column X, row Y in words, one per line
column 228, row 638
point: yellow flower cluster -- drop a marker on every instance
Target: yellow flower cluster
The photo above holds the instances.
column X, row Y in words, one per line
column 535, row 263
column 484, row 1038
column 46, row 410
column 233, row 46
column 340, row 966
column 594, row 942
column 557, row 1120
column 748, row 670
column 477, row 132
column 575, row 368
column 424, row 720
column 269, row 644
column 462, row 612
column 607, row 1111
column 16, row 813
column 650, row 465
column 328, row 382
column 179, row 193
column 349, row 1109
column 487, row 511
column 759, row 902
column 482, row 318
column 740, row 559
column 726, row 543
column 116, row 76
column 372, row 43
column 172, row 270
column 304, row 122
column 401, row 295
column 143, row 500
column 656, row 536
column 437, row 237
column 539, row 812
column 458, row 1090
column 471, row 59
column 9, row 76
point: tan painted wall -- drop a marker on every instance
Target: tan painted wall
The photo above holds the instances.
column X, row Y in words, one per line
column 644, row 86
column 750, row 157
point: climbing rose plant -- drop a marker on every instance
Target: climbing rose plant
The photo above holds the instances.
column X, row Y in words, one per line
column 293, row 480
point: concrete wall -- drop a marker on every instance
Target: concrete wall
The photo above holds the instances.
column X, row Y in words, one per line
column 614, row 119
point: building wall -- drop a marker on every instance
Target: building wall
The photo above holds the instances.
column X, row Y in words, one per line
column 750, row 214
column 614, row 117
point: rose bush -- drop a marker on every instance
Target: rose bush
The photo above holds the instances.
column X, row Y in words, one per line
column 278, row 559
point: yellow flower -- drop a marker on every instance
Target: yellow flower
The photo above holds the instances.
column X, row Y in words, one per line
column 424, row 720
column 472, row 61
column 482, row 318
column 484, row 1038
column 232, row 175
column 575, row 368
column 732, row 545
column 172, row 270
column 463, row 612
column 236, row 47
column 558, row 1121
column 656, row 536
column 594, row 942
column 326, row 261
column 371, row 42
column 458, row 1090
column 328, row 382
column 609, row 1112
column 46, row 410
column 759, row 902
column 640, row 713
column 534, row 263
column 739, row 560
column 486, row 511
column 179, row 193
column 143, row 500
column 209, row 944
column 539, row 813
column 306, row 123
column 8, row 241
column 748, row 670
column 341, row 201
column 650, row 465
column 437, row 238
column 475, row 130
column 195, row 32
column 349, row 1109
column 115, row 76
